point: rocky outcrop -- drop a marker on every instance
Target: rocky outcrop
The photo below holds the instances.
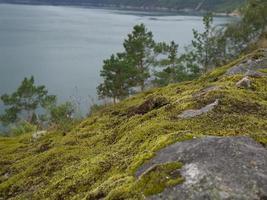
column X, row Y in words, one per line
column 194, row 113
column 244, row 83
column 255, row 74
column 215, row 168
column 149, row 105
column 205, row 91
column 250, row 66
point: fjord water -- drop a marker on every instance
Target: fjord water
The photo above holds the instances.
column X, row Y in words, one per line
column 63, row 47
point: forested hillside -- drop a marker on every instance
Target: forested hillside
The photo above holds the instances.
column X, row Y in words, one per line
column 216, row 5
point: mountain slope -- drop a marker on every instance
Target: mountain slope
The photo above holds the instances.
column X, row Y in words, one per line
column 99, row 158
column 215, row 5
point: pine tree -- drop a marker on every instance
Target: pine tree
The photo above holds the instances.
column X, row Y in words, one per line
column 23, row 103
column 118, row 78
column 204, row 44
column 139, row 50
column 173, row 70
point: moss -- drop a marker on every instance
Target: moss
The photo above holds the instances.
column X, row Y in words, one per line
column 99, row 157
column 263, row 70
column 156, row 179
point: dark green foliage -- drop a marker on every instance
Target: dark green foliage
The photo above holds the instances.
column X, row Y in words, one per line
column 255, row 15
column 22, row 128
column 241, row 34
column 139, row 51
column 173, row 71
column 23, row 103
column 118, row 77
column 61, row 117
column 62, row 114
column 123, row 71
column 204, row 44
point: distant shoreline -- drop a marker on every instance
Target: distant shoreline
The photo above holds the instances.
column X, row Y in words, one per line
column 163, row 10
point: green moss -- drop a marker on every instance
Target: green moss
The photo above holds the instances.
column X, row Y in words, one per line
column 99, row 158
column 263, row 70
column 156, row 179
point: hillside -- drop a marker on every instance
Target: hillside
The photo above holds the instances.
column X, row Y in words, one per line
column 100, row 158
column 215, row 5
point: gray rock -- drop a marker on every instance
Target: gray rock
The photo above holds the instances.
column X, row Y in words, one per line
column 223, row 168
column 205, row 91
column 244, row 83
column 194, row 113
column 238, row 69
column 255, row 74
column 246, row 66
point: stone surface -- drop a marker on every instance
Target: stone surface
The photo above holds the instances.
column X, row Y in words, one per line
column 255, row 74
column 149, row 105
column 230, row 168
column 205, row 91
column 194, row 113
column 248, row 65
column 244, row 83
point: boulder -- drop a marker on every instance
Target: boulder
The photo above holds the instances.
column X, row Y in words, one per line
column 249, row 64
column 205, row 91
column 223, row 168
column 244, row 83
column 255, row 74
column 194, row 113
column 148, row 105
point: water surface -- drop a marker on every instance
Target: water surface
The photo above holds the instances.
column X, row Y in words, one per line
column 63, row 47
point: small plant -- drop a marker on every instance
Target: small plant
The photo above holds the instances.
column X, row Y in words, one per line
column 62, row 116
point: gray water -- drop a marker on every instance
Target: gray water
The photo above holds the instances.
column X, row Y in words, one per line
column 63, row 47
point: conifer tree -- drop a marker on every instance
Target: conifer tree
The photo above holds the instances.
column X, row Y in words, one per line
column 139, row 51
column 23, row 103
column 173, row 70
column 204, row 44
column 118, row 77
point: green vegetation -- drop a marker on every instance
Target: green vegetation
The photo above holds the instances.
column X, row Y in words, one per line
column 158, row 178
column 99, row 157
column 22, row 128
column 118, row 78
column 30, row 108
column 23, row 103
column 146, row 63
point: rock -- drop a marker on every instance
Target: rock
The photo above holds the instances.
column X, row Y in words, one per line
column 193, row 113
column 251, row 64
column 223, row 168
column 255, row 74
column 244, row 83
column 238, row 69
column 149, row 105
column 205, row 91
column 38, row 134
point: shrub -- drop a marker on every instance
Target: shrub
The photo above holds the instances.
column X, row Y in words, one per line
column 22, row 128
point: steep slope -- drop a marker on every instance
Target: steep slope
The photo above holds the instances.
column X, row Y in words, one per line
column 216, row 5
column 99, row 158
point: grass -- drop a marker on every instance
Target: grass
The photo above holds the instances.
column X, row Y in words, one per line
column 99, row 158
